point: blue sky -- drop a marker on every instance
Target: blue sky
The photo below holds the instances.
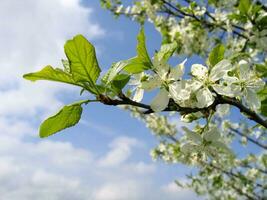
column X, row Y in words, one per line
column 106, row 156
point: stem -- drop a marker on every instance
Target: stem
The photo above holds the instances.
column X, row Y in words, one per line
column 206, row 23
column 251, row 114
column 249, row 138
column 185, row 110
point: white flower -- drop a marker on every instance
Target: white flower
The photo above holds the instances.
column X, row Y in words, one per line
column 137, row 82
column 217, row 79
column 249, row 84
column 165, row 76
column 207, row 143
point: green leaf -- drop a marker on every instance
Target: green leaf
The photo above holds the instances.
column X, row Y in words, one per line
column 244, row 6
column 141, row 49
column 264, row 107
column 82, row 58
column 166, row 51
column 133, row 65
column 216, row 55
column 49, row 73
column 120, row 81
column 66, row 65
column 68, row 116
column 261, row 70
column 262, row 22
column 262, row 94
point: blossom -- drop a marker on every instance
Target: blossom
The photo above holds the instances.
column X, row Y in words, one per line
column 137, row 82
column 249, row 85
column 164, row 76
column 207, row 143
column 203, row 84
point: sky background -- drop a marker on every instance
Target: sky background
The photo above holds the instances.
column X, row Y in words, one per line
column 106, row 156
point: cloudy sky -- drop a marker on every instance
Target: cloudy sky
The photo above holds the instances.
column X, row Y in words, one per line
column 106, row 156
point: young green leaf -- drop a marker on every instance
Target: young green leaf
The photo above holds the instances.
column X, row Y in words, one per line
column 262, row 94
column 261, row 70
column 133, row 65
column 216, row 55
column 83, row 63
column 68, row 116
column 120, row 81
column 244, row 6
column 166, row 51
column 141, row 49
column 49, row 73
column 66, row 65
column 264, row 107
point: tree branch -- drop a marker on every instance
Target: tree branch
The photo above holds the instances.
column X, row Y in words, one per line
column 249, row 138
column 206, row 23
column 186, row 110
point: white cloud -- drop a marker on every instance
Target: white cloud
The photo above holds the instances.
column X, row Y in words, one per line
column 121, row 149
column 172, row 191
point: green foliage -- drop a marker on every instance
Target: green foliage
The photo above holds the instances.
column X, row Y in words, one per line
column 120, row 81
column 262, row 94
column 142, row 54
column 216, row 55
column 68, row 116
column 166, row 51
column 244, row 6
column 264, row 107
column 261, row 70
column 51, row 74
column 82, row 58
column 133, row 65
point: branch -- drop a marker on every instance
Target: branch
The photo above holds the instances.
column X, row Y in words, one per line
column 251, row 114
column 206, row 23
column 186, row 110
column 249, row 138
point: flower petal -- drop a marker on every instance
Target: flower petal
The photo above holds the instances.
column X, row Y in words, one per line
column 220, row 70
column 204, row 98
column 199, row 71
column 179, row 90
column 231, row 90
column 252, row 99
column 139, row 93
column 160, row 102
column 189, row 148
column 152, row 83
column 191, row 135
column 212, row 134
column 244, row 69
column 177, row 72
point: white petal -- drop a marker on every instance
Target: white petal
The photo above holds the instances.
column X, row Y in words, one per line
column 222, row 146
column 191, row 135
column 152, row 83
column 139, row 93
column 204, row 98
column 177, row 72
column 179, row 91
column 220, row 70
column 244, row 70
column 212, row 134
column 189, row 148
column 256, row 84
column 231, row 90
column 252, row 99
column 199, row 71
column 160, row 102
